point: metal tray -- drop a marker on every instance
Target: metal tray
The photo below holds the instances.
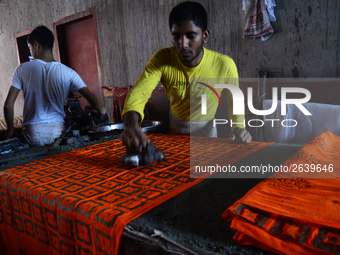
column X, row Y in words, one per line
column 148, row 126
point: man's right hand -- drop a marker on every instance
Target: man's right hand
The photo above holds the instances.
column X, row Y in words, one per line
column 133, row 136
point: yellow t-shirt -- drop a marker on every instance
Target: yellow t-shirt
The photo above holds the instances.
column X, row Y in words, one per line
column 181, row 85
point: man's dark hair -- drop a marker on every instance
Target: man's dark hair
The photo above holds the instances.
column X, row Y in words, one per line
column 42, row 35
column 189, row 11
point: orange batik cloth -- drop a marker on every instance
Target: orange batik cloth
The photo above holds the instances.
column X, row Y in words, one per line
column 78, row 202
column 291, row 213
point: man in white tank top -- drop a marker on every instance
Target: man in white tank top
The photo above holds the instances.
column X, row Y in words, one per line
column 46, row 85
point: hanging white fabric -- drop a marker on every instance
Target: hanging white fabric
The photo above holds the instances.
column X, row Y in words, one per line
column 270, row 8
column 257, row 20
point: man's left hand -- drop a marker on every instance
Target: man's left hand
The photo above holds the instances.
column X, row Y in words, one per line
column 9, row 134
column 240, row 135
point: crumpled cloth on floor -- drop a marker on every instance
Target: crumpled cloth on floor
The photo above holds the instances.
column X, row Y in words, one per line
column 42, row 134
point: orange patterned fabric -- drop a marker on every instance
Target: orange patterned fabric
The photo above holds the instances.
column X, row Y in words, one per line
column 294, row 215
column 78, row 202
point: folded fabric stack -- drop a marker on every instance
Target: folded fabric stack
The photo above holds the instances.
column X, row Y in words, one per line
column 294, row 212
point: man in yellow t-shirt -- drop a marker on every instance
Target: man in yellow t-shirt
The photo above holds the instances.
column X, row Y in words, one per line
column 185, row 70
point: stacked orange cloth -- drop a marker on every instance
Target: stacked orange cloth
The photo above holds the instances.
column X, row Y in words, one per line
column 78, row 202
column 293, row 212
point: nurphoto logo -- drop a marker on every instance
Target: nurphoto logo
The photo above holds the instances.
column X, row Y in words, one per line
column 238, row 103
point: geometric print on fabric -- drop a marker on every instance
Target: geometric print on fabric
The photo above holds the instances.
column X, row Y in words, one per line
column 66, row 248
column 42, row 234
column 29, row 227
column 18, row 223
column 83, row 232
column 54, row 241
column 37, row 213
column 103, row 242
column 78, row 202
column 15, row 204
column 51, row 218
column 2, row 219
column 65, row 227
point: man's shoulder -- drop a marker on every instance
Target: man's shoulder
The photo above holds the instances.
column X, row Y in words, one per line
column 218, row 56
column 164, row 51
column 164, row 55
column 38, row 66
column 60, row 67
column 27, row 66
column 221, row 63
column 38, row 63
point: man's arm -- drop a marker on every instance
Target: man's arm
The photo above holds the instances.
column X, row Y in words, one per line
column 9, row 110
column 133, row 136
column 240, row 135
column 133, row 113
column 92, row 99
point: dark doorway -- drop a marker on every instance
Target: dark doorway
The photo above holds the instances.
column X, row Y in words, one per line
column 77, row 47
column 23, row 51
